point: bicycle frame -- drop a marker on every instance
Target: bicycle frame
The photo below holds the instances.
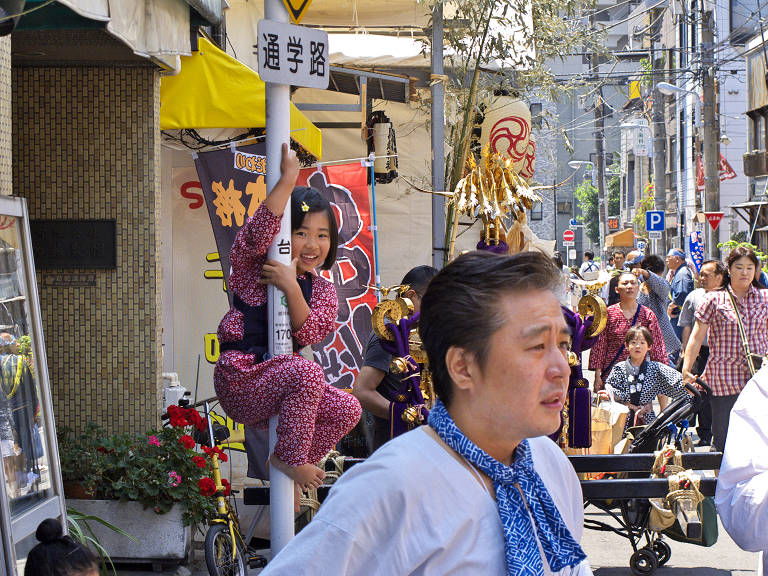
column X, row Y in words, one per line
column 223, row 509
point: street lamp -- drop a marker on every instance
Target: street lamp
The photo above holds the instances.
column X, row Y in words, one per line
column 671, row 90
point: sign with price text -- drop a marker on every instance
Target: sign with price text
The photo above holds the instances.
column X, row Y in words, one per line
column 293, row 55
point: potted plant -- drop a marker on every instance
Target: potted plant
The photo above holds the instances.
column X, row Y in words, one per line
column 154, row 485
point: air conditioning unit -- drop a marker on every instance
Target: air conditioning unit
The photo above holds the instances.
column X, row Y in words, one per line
column 756, row 163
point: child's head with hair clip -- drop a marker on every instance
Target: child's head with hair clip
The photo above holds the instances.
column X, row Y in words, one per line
column 314, row 230
column 59, row 555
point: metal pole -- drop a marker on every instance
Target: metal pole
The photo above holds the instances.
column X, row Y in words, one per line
column 659, row 135
column 599, row 166
column 278, row 129
column 711, row 129
column 438, row 138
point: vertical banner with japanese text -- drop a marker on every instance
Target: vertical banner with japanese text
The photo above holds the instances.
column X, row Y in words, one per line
column 345, row 186
column 233, row 186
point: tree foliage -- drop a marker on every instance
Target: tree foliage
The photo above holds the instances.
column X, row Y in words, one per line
column 493, row 45
column 586, row 195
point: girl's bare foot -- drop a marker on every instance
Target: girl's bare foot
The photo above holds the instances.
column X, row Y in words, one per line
column 306, row 476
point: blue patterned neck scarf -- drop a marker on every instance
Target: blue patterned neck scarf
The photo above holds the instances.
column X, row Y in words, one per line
column 522, row 552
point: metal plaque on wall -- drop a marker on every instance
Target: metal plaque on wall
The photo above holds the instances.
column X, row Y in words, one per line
column 62, row 244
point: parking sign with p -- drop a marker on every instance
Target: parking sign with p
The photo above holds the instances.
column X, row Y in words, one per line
column 654, row 220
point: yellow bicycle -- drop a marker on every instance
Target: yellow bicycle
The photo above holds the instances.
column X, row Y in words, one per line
column 226, row 550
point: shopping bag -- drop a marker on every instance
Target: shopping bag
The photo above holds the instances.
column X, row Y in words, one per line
column 602, row 432
column 619, row 413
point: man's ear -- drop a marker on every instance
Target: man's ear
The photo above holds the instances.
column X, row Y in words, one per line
column 462, row 367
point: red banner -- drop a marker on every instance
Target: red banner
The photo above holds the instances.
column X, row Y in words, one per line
column 346, row 187
column 725, row 170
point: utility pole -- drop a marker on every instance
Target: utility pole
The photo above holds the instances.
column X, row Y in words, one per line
column 438, row 138
column 659, row 128
column 599, row 165
column 711, row 128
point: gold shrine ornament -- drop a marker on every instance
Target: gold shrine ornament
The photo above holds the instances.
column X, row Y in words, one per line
column 390, row 311
column 593, row 305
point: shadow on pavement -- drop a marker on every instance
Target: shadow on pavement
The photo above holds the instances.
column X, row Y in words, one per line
column 669, row 571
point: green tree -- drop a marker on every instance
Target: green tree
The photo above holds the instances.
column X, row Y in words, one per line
column 646, row 203
column 505, row 44
column 614, row 186
column 586, row 195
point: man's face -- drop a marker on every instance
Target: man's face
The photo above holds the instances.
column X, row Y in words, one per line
column 618, row 260
column 709, row 280
column 522, row 387
column 673, row 261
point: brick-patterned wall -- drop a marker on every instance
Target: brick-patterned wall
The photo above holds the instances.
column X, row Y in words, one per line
column 5, row 115
column 86, row 144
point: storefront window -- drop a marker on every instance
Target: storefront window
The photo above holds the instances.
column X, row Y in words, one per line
column 25, row 459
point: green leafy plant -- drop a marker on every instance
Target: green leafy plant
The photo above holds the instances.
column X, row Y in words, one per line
column 646, row 203
column 80, row 529
column 159, row 469
column 586, row 194
column 735, row 243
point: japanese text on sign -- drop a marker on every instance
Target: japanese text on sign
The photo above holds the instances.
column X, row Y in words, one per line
column 292, row 55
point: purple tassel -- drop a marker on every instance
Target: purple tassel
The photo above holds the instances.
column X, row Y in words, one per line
column 579, row 417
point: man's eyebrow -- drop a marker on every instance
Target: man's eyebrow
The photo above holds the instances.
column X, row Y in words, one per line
column 538, row 329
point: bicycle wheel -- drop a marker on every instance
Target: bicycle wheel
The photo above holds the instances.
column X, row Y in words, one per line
column 218, row 553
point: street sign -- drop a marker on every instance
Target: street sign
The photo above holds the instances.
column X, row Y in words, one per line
column 572, row 254
column 654, row 221
column 293, row 55
column 296, row 9
column 613, row 222
column 714, row 219
column 567, row 243
column 569, row 236
column 573, row 223
column 641, row 245
column 654, row 235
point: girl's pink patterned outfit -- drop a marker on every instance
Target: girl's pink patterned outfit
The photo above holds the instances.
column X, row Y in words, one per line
column 313, row 415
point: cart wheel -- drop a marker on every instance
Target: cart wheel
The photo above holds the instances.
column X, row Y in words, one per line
column 643, row 562
column 662, row 551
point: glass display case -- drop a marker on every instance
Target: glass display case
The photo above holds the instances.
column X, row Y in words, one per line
column 30, row 480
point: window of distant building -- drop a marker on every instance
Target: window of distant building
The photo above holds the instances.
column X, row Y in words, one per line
column 744, row 19
column 536, row 115
column 537, row 212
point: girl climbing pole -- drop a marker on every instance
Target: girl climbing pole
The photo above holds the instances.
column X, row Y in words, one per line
column 253, row 387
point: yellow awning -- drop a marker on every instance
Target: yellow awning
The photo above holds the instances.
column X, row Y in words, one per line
column 624, row 238
column 214, row 90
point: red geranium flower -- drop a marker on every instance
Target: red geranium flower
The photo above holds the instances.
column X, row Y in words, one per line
column 206, row 486
column 178, row 416
column 211, row 451
column 199, row 461
column 227, row 486
column 187, row 441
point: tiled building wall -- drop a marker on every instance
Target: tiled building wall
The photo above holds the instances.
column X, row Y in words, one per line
column 5, row 115
column 86, row 145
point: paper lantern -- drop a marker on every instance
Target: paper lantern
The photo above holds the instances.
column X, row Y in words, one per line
column 529, row 160
column 507, row 128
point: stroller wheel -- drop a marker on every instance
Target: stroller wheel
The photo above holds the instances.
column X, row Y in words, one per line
column 643, row 562
column 662, row 550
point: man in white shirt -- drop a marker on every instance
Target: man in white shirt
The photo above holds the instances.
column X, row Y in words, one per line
column 589, row 268
column 742, row 485
column 481, row 489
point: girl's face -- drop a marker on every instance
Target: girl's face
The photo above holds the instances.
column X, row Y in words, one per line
column 638, row 348
column 742, row 272
column 311, row 242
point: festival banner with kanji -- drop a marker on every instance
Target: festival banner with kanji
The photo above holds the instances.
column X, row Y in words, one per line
column 345, row 187
column 233, row 186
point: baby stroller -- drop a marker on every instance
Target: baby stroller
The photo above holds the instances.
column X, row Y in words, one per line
column 633, row 513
